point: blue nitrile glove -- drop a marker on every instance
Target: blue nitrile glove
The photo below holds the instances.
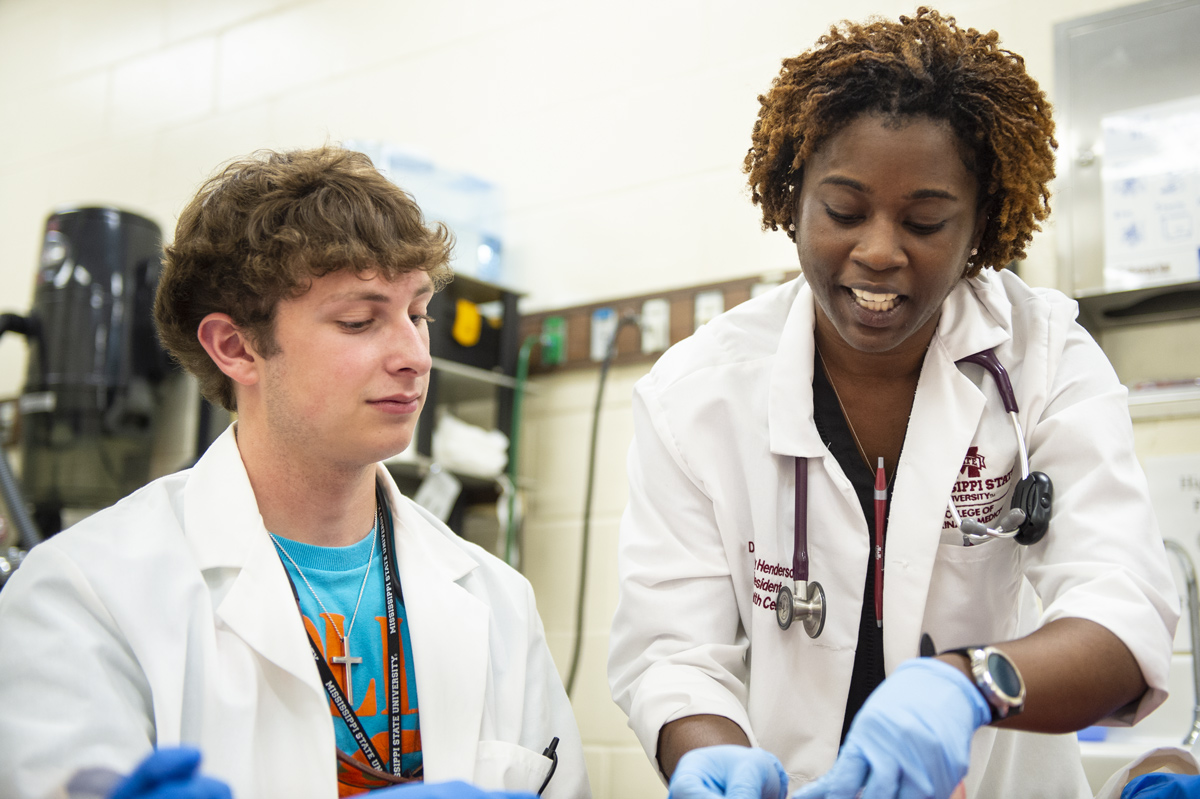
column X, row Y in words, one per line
column 912, row 737
column 728, row 770
column 445, row 790
column 170, row 774
column 1162, row 786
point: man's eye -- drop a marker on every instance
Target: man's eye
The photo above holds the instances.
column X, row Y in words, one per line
column 417, row 318
column 356, row 325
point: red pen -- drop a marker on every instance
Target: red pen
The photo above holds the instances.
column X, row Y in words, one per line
column 880, row 519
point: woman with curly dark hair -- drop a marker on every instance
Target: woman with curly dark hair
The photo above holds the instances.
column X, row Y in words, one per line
column 864, row 451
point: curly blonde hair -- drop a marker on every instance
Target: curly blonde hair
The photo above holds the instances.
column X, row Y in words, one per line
column 920, row 66
column 262, row 228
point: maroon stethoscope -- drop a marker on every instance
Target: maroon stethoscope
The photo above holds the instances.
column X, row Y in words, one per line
column 1026, row 521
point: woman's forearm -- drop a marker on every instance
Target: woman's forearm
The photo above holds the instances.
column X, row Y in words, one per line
column 1076, row 672
column 679, row 737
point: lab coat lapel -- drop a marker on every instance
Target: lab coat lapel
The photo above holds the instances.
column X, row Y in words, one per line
column 449, row 632
column 790, row 403
column 945, row 416
column 225, row 530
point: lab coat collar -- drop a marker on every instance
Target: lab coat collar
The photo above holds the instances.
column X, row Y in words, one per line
column 225, row 531
column 447, row 624
column 789, row 402
column 945, row 417
column 975, row 316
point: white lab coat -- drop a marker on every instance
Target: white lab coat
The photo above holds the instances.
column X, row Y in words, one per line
column 168, row 619
column 710, row 524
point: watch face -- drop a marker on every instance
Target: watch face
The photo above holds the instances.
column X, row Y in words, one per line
column 1004, row 675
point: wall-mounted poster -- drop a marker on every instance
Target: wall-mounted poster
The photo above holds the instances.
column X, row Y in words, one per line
column 1151, row 176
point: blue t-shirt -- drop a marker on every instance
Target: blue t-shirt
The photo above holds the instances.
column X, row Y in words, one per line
column 336, row 575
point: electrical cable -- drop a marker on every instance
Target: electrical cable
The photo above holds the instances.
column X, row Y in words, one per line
column 577, row 645
column 510, row 538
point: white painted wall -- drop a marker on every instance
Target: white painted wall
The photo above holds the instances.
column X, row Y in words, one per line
column 616, row 130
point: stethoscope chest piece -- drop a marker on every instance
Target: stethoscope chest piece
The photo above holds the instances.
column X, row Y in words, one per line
column 809, row 609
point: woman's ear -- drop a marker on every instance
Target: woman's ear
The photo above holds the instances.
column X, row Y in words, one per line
column 981, row 222
column 229, row 348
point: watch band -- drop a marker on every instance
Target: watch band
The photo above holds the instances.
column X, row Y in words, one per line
column 997, row 678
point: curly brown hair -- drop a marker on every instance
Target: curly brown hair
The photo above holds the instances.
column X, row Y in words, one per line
column 922, row 66
column 264, row 226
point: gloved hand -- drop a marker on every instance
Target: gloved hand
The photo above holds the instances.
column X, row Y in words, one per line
column 170, row 774
column 445, row 790
column 1162, row 786
column 912, row 737
column 734, row 771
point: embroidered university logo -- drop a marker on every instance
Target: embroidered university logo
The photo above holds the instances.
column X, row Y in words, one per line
column 973, row 463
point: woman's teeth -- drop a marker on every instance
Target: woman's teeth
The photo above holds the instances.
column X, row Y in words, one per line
column 875, row 302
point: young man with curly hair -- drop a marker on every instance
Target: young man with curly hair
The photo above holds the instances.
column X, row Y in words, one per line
column 846, row 440
column 281, row 606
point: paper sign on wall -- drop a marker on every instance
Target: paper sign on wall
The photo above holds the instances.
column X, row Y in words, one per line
column 1151, row 178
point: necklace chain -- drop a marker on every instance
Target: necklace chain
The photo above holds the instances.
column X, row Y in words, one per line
column 362, row 588
column 858, row 444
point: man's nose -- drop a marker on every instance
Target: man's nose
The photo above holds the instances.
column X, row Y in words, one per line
column 410, row 348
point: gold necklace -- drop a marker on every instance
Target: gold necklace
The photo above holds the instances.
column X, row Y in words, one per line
column 858, row 444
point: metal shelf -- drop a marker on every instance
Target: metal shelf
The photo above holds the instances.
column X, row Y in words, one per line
column 1166, row 303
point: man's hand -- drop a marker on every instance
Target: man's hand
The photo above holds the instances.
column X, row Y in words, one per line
column 170, row 774
column 912, row 737
column 733, row 771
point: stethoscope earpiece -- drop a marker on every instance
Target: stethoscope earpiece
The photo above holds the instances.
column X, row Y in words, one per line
column 1029, row 515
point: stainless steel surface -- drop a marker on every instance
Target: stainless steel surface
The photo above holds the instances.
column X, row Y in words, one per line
column 1193, row 612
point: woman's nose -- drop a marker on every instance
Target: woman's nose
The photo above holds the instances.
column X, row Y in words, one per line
column 880, row 246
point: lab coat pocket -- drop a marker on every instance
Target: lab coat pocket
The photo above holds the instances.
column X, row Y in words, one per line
column 502, row 766
column 973, row 593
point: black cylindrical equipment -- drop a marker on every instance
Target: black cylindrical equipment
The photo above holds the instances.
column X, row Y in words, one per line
column 88, row 404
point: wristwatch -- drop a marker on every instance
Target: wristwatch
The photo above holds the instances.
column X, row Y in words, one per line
column 997, row 678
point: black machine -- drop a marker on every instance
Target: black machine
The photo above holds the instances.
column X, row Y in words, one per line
column 89, row 401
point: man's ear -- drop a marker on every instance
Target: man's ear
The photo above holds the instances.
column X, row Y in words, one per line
column 230, row 349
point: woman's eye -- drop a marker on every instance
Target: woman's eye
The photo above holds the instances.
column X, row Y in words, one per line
column 842, row 218
column 925, row 230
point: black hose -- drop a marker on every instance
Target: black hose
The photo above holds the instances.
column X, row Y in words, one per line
column 17, row 324
column 577, row 645
column 26, row 530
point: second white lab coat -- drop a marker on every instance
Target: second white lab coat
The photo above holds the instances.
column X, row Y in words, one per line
column 168, row 619
column 708, row 532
